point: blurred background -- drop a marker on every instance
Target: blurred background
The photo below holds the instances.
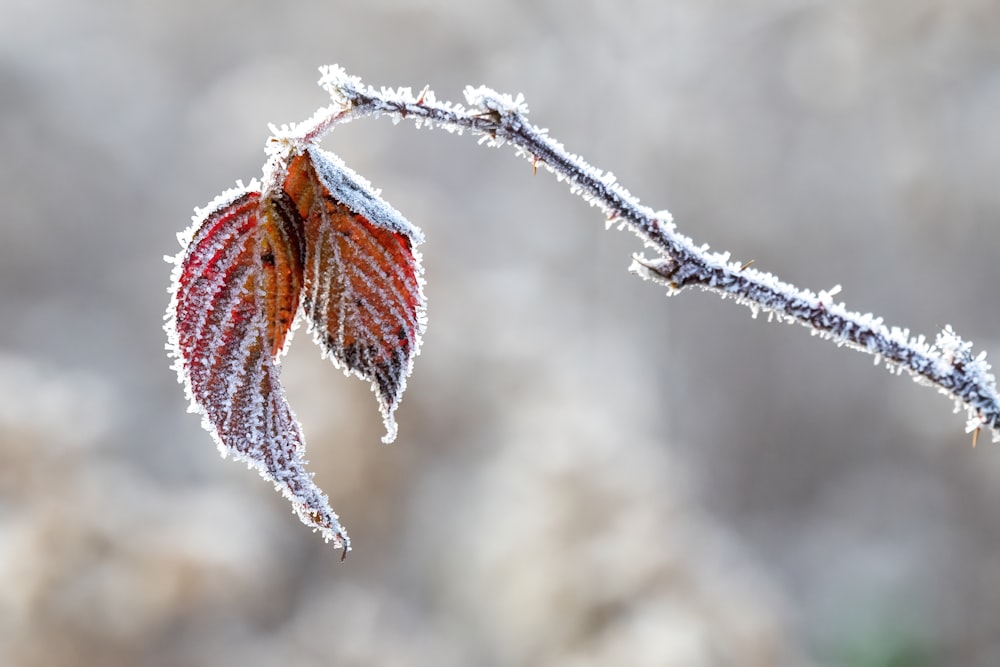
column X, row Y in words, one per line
column 587, row 473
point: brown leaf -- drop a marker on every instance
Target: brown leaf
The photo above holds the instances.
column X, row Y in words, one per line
column 236, row 292
column 363, row 280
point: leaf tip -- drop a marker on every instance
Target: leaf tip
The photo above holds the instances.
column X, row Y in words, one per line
column 391, row 430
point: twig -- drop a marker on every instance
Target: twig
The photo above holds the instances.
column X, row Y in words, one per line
column 947, row 364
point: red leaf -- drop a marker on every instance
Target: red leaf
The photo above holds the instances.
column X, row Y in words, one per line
column 362, row 289
column 236, row 292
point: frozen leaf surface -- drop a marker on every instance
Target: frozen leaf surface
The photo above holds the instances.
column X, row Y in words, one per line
column 363, row 288
column 236, row 290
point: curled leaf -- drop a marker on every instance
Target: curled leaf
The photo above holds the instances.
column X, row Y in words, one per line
column 236, row 290
column 363, row 284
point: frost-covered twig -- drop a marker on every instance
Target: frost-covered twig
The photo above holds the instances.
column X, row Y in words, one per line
column 948, row 363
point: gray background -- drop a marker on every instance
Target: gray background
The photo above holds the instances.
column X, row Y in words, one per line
column 587, row 473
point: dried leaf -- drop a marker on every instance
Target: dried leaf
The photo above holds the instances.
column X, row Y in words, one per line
column 236, row 291
column 363, row 288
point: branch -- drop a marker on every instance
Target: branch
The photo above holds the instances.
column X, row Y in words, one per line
column 947, row 364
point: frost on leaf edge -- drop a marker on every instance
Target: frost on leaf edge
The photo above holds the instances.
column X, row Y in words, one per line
column 360, row 197
column 335, row 532
column 185, row 237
